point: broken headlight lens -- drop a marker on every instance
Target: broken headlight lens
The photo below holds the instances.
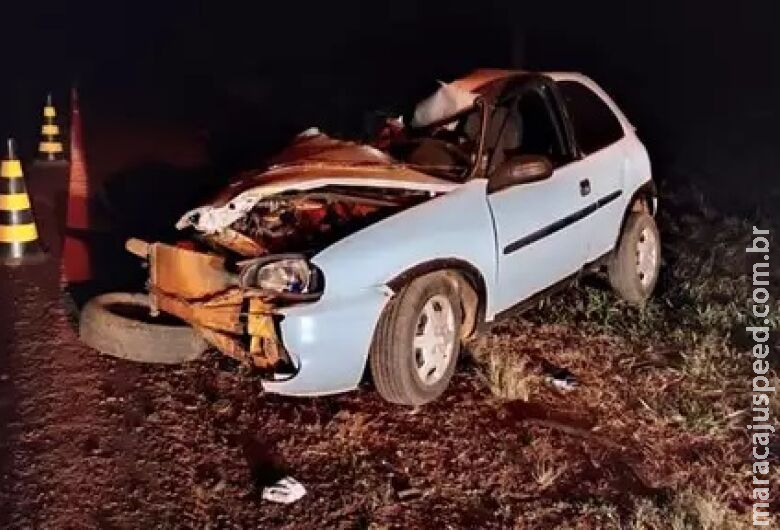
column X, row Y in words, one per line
column 285, row 275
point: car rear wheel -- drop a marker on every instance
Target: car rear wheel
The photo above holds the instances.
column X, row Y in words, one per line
column 633, row 269
column 417, row 341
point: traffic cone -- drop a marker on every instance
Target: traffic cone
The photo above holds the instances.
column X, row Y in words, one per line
column 78, row 181
column 50, row 147
column 75, row 251
column 19, row 242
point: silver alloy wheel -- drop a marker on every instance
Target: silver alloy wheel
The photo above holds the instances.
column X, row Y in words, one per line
column 434, row 339
column 646, row 257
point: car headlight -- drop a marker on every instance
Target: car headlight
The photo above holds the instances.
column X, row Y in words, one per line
column 281, row 274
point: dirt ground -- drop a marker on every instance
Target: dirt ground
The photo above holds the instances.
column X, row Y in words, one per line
column 91, row 442
column 94, row 442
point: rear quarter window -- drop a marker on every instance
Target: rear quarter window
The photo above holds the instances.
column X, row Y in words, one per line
column 595, row 125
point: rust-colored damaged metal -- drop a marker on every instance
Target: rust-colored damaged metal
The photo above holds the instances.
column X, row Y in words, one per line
column 186, row 273
column 139, row 247
column 195, row 287
column 226, row 344
column 262, row 331
column 223, row 317
column 219, row 322
column 238, row 243
column 319, row 156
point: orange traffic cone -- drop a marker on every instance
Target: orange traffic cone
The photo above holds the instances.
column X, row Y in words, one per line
column 19, row 242
column 50, row 147
column 75, row 252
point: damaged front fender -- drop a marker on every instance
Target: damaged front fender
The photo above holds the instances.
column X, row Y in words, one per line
column 328, row 342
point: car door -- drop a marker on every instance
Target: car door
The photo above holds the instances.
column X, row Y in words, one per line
column 539, row 241
column 598, row 134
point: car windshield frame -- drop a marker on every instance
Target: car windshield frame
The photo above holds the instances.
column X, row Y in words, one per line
column 474, row 167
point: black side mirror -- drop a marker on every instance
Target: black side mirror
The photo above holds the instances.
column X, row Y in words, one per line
column 520, row 170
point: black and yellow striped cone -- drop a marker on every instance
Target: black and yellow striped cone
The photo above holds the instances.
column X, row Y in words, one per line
column 50, row 147
column 19, row 242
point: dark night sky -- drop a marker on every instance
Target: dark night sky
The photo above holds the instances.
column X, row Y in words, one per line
column 699, row 79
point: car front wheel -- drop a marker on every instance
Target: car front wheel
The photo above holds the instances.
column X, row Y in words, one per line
column 417, row 341
column 634, row 266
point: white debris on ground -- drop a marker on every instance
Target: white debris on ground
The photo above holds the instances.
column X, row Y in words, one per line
column 563, row 380
column 285, row 491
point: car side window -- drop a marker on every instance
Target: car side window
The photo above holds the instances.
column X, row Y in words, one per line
column 538, row 132
column 525, row 126
column 595, row 125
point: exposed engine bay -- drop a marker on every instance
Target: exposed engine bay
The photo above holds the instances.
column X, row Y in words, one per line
column 310, row 221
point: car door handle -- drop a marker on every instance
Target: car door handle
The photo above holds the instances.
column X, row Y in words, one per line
column 585, row 187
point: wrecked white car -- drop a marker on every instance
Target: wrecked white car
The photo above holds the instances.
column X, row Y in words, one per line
column 342, row 256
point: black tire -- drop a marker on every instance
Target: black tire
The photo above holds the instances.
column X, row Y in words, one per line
column 622, row 268
column 392, row 356
column 118, row 324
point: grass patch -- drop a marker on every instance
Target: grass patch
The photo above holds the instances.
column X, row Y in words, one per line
column 687, row 511
column 546, row 473
column 677, row 372
column 508, row 376
column 703, row 289
column 700, row 311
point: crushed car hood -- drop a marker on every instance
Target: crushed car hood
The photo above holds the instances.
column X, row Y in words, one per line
column 314, row 160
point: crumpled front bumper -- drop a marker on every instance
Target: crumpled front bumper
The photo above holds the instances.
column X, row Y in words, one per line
column 197, row 288
column 324, row 343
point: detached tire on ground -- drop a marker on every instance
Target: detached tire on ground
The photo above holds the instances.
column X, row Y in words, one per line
column 633, row 268
column 417, row 341
column 119, row 324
